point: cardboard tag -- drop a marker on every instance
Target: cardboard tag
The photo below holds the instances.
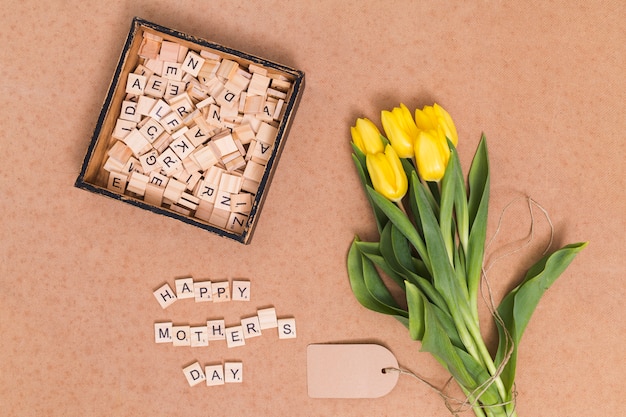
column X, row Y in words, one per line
column 350, row 371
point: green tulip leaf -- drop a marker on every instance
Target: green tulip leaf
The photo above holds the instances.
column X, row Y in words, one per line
column 446, row 218
column 437, row 342
column 372, row 251
column 402, row 222
column 478, row 205
column 359, row 162
column 444, row 276
column 368, row 287
column 517, row 307
column 460, row 198
column 415, row 302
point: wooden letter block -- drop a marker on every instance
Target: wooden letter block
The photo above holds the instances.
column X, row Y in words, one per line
column 123, row 128
column 151, row 130
column 238, row 82
column 194, row 374
column 237, row 222
column 267, row 318
column 153, row 194
column 165, row 296
column 258, row 84
column 169, row 51
column 137, row 183
column 241, row 290
column 171, row 122
column 160, row 110
column 172, row 71
column 188, row 201
column 205, row 157
column 117, row 182
column 267, row 113
column 214, row 375
column 215, row 329
column 158, row 179
column 266, row 134
column 254, row 171
column 227, row 99
column 243, row 133
column 132, row 165
column 235, row 164
column 222, row 201
column 145, row 105
column 182, row 104
column 234, row 336
column 163, row 332
column 261, row 153
column 241, row 203
column 137, row 143
column 184, row 288
column 227, row 69
column 207, row 192
column 180, row 336
column 196, row 136
column 174, row 88
column 193, row 63
column 225, row 145
column 136, row 84
column 202, row 291
column 149, row 48
column 154, row 65
column 156, row 86
column 204, row 210
column 182, row 147
column 251, row 327
column 233, row 372
column 170, row 162
column 219, row 217
column 129, row 112
column 230, row 183
column 149, row 162
column 287, row 328
column 250, row 186
column 220, row 291
column 199, row 336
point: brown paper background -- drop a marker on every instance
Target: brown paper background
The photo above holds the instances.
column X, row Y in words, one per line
column 543, row 80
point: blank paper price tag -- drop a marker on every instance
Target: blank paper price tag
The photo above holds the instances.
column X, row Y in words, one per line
column 350, row 371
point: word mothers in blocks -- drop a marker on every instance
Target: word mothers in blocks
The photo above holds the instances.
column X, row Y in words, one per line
column 202, row 291
column 216, row 330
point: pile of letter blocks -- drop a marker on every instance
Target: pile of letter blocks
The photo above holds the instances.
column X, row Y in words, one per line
column 195, row 133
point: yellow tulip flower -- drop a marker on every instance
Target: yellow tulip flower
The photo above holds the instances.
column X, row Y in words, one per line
column 366, row 136
column 431, row 154
column 388, row 176
column 432, row 117
column 400, row 130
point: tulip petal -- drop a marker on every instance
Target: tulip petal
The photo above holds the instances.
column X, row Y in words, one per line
column 369, row 136
column 430, row 158
column 398, row 136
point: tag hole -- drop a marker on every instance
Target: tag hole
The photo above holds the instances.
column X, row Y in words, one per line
column 383, row 370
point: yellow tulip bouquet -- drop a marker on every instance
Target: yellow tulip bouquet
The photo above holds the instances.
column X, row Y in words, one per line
column 432, row 227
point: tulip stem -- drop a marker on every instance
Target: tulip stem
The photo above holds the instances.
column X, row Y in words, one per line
column 401, row 207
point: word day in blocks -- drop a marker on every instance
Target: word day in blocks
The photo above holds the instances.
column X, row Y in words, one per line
column 216, row 330
column 229, row 373
column 203, row 291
